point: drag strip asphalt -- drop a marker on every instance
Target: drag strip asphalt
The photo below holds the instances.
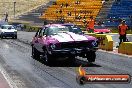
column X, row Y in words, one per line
column 26, row 72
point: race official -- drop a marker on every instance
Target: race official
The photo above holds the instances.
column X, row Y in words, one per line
column 90, row 25
column 122, row 28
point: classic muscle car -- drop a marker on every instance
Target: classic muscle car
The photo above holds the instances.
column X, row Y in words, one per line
column 57, row 42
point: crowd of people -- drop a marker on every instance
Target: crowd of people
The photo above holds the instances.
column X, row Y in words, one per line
column 89, row 24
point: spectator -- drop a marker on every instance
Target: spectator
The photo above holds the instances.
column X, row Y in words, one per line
column 100, row 22
column 103, row 1
column 56, row 11
column 84, row 17
column 62, row 20
column 62, row 5
column 77, row 2
column 117, row 1
column 131, row 20
column 22, row 26
column 60, row 11
column 79, row 17
column 67, row 5
column 111, row 19
column 90, row 26
column 45, row 22
column 119, row 20
column 84, row 21
column 54, row 3
column 69, row 13
column 6, row 17
column 122, row 28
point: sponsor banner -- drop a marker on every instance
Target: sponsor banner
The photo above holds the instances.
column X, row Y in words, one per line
column 83, row 78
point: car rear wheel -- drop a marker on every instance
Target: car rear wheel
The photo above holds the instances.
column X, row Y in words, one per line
column 35, row 53
column 91, row 56
column 71, row 60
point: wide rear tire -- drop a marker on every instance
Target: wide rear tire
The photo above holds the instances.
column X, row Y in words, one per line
column 91, row 56
column 71, row 60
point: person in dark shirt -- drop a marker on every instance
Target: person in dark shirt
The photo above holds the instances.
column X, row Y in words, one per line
column 6, row 17
column 67, row 5
column 60, row 11
column 69, row 13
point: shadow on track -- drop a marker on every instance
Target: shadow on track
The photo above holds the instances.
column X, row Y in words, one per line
column 7, row 38
column 65, row 63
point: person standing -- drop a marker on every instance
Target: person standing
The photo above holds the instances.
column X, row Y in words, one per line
column 84, row 21
column 122, row 28
column 67, row 5
column 45, row 22
column 6, row 17
column 90, row 25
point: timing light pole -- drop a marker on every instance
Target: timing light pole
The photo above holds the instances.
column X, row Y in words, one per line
column 14, row 8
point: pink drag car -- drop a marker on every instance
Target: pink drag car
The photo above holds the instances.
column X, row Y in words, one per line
column 101, row 29
column 57, row 42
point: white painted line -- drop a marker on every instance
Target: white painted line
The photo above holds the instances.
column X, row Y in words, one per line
column 7, row 78
column 119, row 54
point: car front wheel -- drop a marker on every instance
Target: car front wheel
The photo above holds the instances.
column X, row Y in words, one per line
column 1, row 36
column 15, row 37
column 91, row 56
column 71, row 60
column 35, row 53
column 47, row 58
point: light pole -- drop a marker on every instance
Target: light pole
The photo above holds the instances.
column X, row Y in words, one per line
column 14, row 8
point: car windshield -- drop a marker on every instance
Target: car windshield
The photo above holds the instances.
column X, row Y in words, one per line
column 7, row 27
column 56, row 30
column 74, row 29
column 100, row 27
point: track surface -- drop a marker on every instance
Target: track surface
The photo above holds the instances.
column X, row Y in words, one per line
column 25, row 72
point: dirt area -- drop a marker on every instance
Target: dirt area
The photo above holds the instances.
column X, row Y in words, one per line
column 21, row 6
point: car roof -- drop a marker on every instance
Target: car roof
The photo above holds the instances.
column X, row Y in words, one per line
column 6, row 25
column 54, row 25
column 68, row 24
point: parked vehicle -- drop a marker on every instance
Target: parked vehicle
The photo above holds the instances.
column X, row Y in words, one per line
column 8, row 31
column 57, row 42
column 101, row 29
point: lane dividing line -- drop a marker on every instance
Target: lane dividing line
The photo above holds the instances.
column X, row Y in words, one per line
column 7, row 78
column 119, row 54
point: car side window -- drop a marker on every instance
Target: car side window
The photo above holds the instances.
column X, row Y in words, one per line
column 37, row 33
column 41, row 32
column 2, row 27
column 45, row 31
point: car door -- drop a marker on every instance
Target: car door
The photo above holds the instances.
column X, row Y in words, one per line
column 35, row 39
column 41, row 40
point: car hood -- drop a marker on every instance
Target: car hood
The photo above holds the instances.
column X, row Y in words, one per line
column 8, row 30
column 69, row 36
